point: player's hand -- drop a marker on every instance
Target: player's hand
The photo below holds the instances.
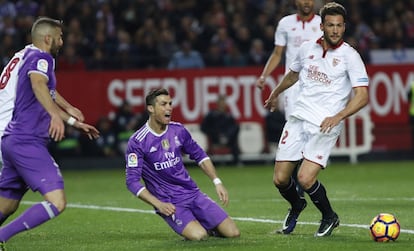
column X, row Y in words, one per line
column 76, row 113
column 166, row 208
column 271, row 102
column 328, row 123
column 56, row 128
column 89, row 130
column 222, row 193
column 260, row 82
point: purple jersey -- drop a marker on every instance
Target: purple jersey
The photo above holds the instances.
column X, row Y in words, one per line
column 157, row 159
column 30, row 119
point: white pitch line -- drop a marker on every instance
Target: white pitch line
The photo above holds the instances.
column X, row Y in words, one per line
column 134, row 210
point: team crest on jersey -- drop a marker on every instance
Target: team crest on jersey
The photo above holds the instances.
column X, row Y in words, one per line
column 165, row 144
column 335, row 62
column 42, row 65
column 132, row 160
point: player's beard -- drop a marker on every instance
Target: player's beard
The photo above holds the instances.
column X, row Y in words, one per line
column 332, row 43
column 54, row 50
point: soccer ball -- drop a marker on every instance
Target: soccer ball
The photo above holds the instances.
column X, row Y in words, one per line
column 384, row 227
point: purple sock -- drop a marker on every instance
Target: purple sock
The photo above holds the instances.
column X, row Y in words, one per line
column 32, row 217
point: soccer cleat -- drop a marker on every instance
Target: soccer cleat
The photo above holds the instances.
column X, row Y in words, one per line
column 291, row 219
column 327, row 225
column 2, row 246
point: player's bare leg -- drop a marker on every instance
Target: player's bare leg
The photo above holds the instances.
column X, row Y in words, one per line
column 35, row 215
column 194, row 232
column 282, row 179
column 7, row 208
column 228, row 229
column 307, row 177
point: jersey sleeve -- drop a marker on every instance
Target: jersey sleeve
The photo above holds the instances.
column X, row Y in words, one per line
column 192, row 148
column 296, row 64
column 40, row 63
column 357, row 72
column 281, row 33
column 134, row 164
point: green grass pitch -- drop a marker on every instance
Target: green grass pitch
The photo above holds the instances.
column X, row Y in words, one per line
column 103, row 215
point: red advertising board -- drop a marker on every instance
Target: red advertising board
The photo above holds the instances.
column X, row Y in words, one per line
column 194, row 92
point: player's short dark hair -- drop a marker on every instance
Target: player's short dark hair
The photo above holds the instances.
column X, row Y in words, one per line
column 332, row 9
column 152, row 95
column 47, row 21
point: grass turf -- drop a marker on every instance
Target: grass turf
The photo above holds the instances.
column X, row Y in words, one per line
column 103, row 215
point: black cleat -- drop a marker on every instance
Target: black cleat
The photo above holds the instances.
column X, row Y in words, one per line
column 327, row 225
column 291, row 219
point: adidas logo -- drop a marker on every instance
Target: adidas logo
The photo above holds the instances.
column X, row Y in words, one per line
column 153, row 149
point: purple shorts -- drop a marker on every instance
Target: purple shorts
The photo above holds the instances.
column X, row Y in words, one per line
column 27, row 164
column 201, row 208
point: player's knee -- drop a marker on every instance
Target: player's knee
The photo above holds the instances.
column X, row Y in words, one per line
column 233, row 233
column 305, row 182
column 280, row 183
column 197, row 235
column 59, row 204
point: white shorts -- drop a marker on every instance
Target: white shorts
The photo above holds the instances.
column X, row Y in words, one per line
column 301, row 139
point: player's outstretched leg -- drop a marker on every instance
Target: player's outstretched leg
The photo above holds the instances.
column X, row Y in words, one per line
column 297, row 206
column 32, row 217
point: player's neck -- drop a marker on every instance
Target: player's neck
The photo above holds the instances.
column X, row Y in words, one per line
column 156, row 126
column 306, row 17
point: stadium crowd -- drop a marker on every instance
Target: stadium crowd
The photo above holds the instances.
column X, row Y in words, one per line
column 144, row 34
column 154, row 34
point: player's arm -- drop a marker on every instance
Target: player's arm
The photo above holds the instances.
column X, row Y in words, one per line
column 66, row 106
column 271, row 64
column 164, row 208
column 291, row 78
column 133, row 175
column 208, row 168
column 41, row 91
column 356, row 103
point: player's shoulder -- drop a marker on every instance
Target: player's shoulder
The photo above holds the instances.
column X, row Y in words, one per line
column 289, row 19
column 348, row 50
column 317, row 19
column 176, row 125
column 140, row 134
column 36, row 55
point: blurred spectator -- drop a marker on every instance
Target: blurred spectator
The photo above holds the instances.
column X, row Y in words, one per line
column 125, row 123
column 257, row 54
column 7, row 8
column 222, row 129
column 70, row 60
column 214, row 57
column 96, row 26
column 235, row 58
column 166, row 46
column 186, row 58
column 27, row 8
column 70, row 145
column 106, row 144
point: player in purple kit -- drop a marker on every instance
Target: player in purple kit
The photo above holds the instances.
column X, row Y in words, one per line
column 38, row 114
column 154, row 154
